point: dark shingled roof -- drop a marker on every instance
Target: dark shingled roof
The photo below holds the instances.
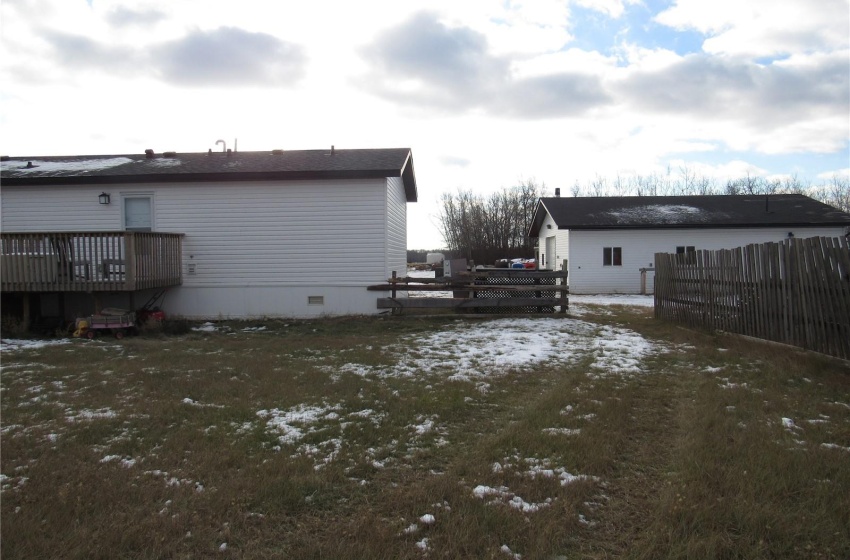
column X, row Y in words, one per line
column 279, row 165
column 668, row 212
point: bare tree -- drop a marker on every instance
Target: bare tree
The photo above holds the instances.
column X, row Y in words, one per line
column 499, row 222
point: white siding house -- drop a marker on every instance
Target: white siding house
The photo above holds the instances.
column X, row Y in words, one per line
column 609, row 239
column 283, row 234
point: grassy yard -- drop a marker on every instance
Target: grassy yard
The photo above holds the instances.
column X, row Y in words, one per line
column 602, row 435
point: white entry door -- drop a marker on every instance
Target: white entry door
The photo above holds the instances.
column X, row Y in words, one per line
column 551, row 254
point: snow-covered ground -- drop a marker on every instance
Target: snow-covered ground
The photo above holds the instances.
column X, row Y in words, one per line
column 479, row 351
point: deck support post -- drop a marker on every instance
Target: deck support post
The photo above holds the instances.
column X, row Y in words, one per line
column 26, row 312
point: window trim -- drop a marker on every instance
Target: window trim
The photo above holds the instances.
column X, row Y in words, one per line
column 131, row 195
column 689, row 253
column 612, row 256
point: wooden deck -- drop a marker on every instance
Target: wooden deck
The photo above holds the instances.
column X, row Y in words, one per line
column 103, row 261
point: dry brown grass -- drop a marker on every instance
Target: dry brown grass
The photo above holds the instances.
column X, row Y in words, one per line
column 688, row 459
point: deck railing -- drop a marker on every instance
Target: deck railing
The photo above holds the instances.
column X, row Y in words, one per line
column 102, row 261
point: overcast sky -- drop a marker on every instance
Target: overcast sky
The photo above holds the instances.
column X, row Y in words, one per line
column 486, row 93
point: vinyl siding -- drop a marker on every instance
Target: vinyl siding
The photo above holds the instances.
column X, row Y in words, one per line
column 324, row 238
column 396, row 255
column 57, row 209
column 562, row 243
column 589, row 276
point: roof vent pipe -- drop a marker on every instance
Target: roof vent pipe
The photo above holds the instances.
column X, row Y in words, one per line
column 236, row 144
column 223, row 145
column 332, row 149
column 558, row 192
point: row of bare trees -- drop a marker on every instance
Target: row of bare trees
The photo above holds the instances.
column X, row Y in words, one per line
column 477, row 225
column 835, row 191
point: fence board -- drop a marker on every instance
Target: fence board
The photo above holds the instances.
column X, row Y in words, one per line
column 796, row 292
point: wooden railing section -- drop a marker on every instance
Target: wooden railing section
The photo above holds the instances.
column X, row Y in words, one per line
column 100, row 261
column 484, row 290
column 795, row 292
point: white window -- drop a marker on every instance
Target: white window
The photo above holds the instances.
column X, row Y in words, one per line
column 689, row 252
column 612, row 256
column 138, row 213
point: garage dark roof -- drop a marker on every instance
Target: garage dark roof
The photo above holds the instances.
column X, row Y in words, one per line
column 277, row 165
column 662, row 212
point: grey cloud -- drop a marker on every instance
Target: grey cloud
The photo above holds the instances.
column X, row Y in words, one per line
column 230, row 56
column 224, row 57
column 453, row 70
column 81, row 53
column 557, row 95
column 125, row 17
column 452, row 64
column 424, row 48
column 719, row 88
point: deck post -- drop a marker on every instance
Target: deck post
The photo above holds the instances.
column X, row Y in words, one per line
column 130, row 260
column 26, row 312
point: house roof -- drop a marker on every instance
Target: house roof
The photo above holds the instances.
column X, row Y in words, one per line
column 277, row 165
column 670, row 212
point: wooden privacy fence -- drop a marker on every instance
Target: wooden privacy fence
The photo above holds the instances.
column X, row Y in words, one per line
column 796, row 292
column 483, row 290
column 89, row 261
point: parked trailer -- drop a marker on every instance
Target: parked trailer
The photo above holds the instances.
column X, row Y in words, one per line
column 117, row 325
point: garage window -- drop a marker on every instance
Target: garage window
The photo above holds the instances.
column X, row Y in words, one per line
column 612, row 256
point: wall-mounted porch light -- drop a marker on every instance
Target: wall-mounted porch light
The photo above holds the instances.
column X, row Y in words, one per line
column 103, row 198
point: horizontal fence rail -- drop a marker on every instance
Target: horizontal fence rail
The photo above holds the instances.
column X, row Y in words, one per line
column 795, row 292
column 488, row 290
column 89, row 261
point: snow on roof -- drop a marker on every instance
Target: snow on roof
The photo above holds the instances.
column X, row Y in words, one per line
column 162, row 162
column 658, row 214
column 53, row 167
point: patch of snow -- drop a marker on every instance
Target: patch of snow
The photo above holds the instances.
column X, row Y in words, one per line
column 90, row 415
column 619, row 351
column 472, row 351
column 162, row 162
column 423, row 544
column 40, row 167
column 428, row 519
column 583, row 520
column 658, row 214
column 835, row 446
column 287, row 422
column 633, row 300
column 206, row 327
column 13, row 344
column 424, row 428
column 562, row 431
column 507, row 550
column 503, row 494
column 191, row 402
